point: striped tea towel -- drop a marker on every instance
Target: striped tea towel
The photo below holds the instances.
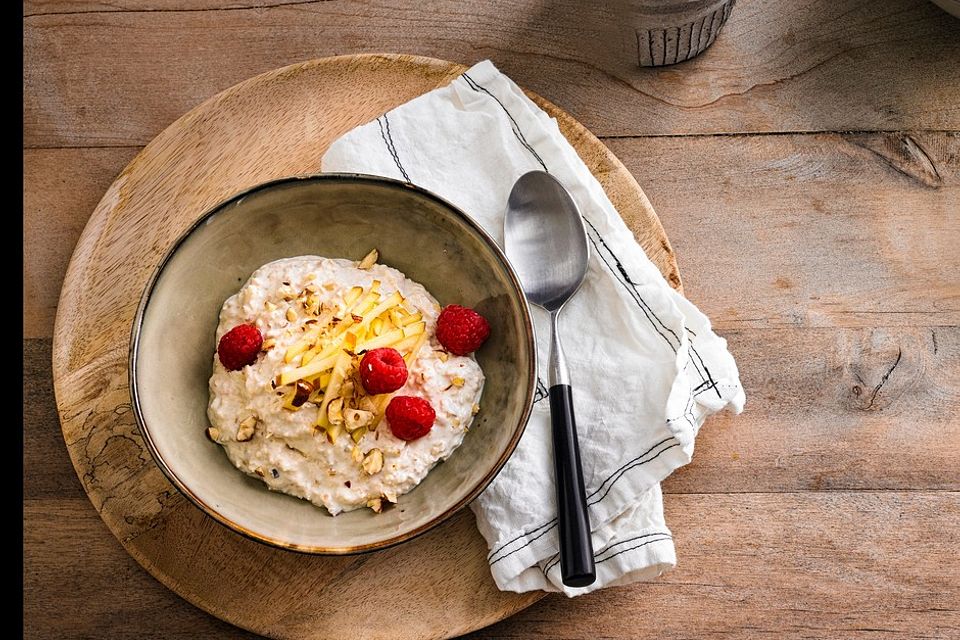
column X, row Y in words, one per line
column 646, row 367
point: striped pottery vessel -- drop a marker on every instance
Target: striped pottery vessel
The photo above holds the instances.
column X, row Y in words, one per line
column 671, row 31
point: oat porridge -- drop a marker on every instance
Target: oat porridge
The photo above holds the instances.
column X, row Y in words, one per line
column 334, row 383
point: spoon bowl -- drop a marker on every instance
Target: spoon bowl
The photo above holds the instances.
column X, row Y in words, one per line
column 545, row 240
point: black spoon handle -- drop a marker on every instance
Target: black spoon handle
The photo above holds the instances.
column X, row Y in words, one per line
column 576, row 548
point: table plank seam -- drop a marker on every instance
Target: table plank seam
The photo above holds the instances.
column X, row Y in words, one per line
column 118, row 10
column 783, row 133
column 626, row 137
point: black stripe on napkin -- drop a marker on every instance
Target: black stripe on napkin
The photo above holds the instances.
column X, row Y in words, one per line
column 541, row 392
column 555, row 559
column 387, row 137
column 642, row 544
column 703, row 364
column 515, row 127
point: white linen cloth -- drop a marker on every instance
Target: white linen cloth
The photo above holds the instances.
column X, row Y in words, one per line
column 646, row 367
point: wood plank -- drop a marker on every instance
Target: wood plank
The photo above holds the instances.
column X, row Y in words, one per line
column 853, row 230
column 47, row 470
column 47, row 7
column 61, row 188
column 828, row 409
column 119, row 77
column 879, row 250
column 838, row 565
column 835, row 409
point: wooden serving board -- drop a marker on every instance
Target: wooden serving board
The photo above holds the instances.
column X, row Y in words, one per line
column 273, row 125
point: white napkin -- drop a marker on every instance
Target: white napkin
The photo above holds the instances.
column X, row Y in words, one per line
column 646, row 367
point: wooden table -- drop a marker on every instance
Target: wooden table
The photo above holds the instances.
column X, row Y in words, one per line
column 807, row 170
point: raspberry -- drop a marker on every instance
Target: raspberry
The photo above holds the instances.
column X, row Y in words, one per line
column 410, row 417
column 239, row 346
column 383, row 371
column 461, row 330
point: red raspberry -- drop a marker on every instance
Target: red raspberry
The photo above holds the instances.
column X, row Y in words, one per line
column 383, row 371
column 239, row 346
column 410, row 417
column 461, row 330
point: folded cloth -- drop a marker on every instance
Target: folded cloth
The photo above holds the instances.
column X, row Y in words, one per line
column 646, row 367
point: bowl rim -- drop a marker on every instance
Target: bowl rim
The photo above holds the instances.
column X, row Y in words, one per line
column 223, row 207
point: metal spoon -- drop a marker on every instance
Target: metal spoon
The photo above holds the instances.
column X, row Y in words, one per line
column 547, row 245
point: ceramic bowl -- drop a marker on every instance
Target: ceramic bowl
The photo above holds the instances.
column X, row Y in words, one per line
column 332, row 215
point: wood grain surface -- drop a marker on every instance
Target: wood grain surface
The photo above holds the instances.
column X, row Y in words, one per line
column 806, row 169
column 118, row 74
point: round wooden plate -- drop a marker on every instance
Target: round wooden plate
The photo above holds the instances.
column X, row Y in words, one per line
column 273, row 125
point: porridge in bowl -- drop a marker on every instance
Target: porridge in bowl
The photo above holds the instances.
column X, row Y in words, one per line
column 342, row 382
